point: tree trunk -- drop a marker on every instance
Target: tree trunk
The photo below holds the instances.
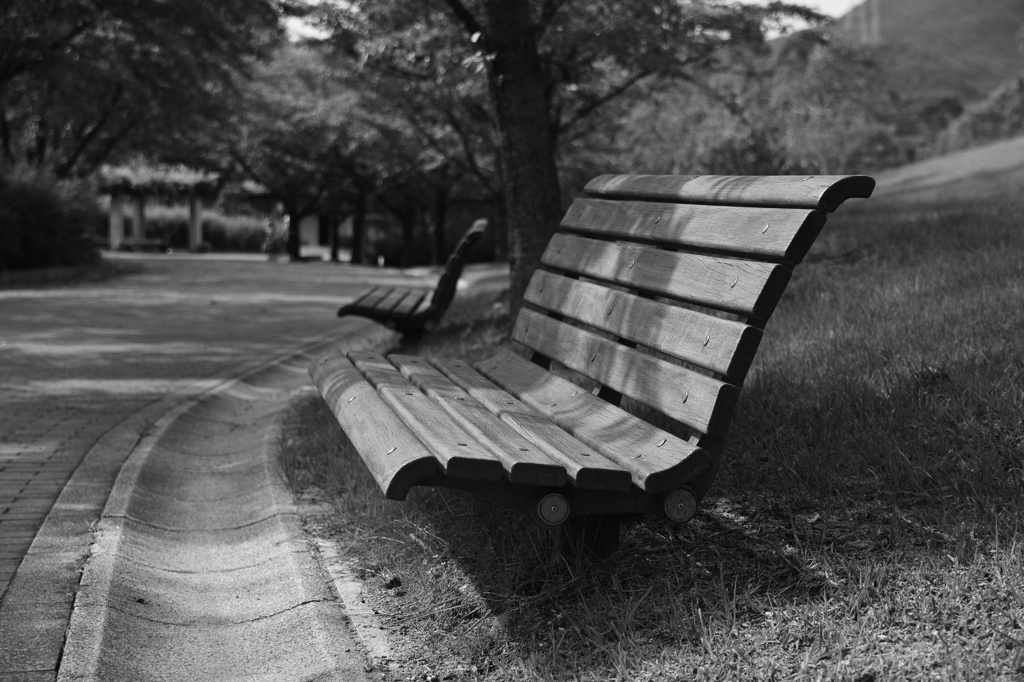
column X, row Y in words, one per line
column 41, row 141
column 5, row 137
column 358, row 256
column 440, row 223
column 332, row 220
column 294, row 222
column 500, row 230
column 408, row 219
column 518, row 85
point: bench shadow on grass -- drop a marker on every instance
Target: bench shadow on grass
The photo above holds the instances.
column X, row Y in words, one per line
column 840, row 495
column 763, row 545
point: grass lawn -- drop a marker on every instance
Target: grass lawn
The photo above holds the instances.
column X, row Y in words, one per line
column 866, row 524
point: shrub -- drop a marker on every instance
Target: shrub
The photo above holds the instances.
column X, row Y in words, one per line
column 45, row 222
column 221, row 232
column 999, row 117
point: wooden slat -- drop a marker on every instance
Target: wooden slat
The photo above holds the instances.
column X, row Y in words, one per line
column 458, row 452
column 394, row 297
column 744, row 287
column 396, row 458
column 523, row 461
column 776, row 234
column 409, row 303
column 697, row 400
column 369, row 297
column 585, row 467
column 722, row 346
column 823, row 192
column 423, row 308
column 656, row 459
column 371, row 302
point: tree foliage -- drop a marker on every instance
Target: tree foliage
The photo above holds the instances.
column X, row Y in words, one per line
column 418, row 105
column 998, row 117
column 293, row 132
column 826, row 88
column 813, row 105
column 82, row 79
column 549, row 68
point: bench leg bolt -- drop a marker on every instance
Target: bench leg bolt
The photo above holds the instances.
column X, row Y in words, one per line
column 679, row 506
column 553, row 509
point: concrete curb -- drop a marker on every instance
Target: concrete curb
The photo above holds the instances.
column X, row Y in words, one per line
column 364, row 620
column 102, row 615
column 41, row 595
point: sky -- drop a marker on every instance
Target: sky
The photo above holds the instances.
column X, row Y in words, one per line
column 835, row 8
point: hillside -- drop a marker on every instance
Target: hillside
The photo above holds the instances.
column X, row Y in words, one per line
column 999, row 116
column 990, row 171
column 963, row 48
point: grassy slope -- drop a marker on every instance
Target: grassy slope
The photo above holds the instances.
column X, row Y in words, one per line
column 991, row 171
column 867, row 523
column 966, row 47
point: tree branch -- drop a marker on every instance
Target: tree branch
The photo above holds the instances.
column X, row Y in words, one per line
column 315, row 199
column 547, row 13
column 65, row 168
column 467, row 148
column 78, row 30
column 728, row 102
column 599, row 102
column 465, row 17
column 251, row 172
column 19, row 66
column 105, row 151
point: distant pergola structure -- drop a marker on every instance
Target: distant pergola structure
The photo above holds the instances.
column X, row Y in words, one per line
column 137, row 184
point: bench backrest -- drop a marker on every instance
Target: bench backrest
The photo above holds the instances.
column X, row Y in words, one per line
column 445, row 291
column 658, row 287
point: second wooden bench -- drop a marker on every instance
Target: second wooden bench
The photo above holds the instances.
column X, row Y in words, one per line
column 413, row 310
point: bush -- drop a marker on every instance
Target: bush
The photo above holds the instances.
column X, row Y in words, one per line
column 999, row 117
column 45, row 222
column 222, row 232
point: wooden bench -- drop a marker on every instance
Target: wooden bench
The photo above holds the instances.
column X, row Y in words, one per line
column 409, row 309
column 657, row 289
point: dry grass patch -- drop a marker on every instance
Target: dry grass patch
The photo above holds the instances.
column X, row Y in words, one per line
column 866, row 524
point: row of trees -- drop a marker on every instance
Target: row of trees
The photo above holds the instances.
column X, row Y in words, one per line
column 83, row 79
column 415, row 106
column 500, row 95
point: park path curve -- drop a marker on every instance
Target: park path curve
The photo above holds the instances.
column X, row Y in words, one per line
column 200, row 569
column 87, row 369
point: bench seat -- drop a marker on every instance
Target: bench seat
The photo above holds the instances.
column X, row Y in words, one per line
column 416, row 309
column 655, row 288
column 391, row 303
column 504, row 419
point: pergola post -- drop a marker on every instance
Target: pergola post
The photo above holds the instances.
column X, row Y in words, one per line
column 115, row 229
column 195, row 221
column 139, row 218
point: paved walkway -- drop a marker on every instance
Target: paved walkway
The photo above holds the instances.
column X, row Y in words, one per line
column 200, row 568
column 88, row 369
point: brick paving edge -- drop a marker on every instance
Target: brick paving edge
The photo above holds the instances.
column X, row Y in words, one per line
column 69, row 528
